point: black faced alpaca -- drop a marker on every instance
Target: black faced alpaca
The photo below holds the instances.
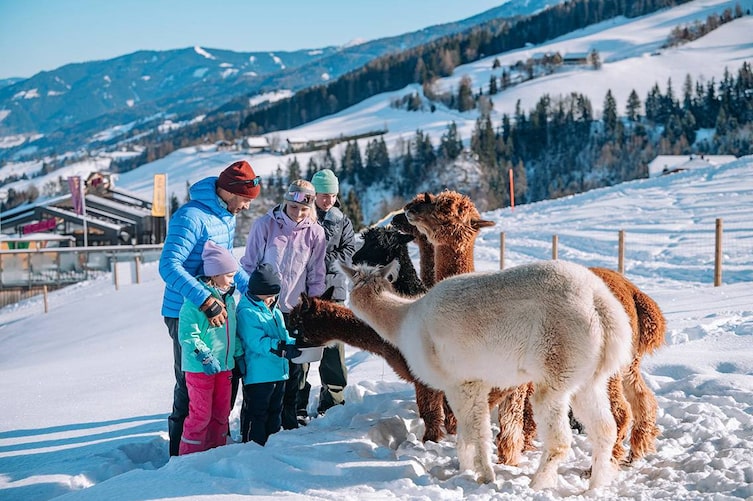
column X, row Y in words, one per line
column 384, row 245
column 425, row 248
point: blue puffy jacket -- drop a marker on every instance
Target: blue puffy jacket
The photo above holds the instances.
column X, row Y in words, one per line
column 204, row 217
column 259, row 331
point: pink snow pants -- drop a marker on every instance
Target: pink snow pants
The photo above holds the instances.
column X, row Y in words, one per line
column 208, row 411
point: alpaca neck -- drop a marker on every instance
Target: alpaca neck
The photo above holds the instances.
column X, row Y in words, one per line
column 384, row 311
column 407, row 283
column 452, row 259
column 426, row 255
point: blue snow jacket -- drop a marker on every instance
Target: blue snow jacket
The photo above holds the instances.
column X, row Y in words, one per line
column 204, row 217
column 260, row 329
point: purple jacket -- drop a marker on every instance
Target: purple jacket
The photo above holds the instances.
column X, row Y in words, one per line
column 296, row 251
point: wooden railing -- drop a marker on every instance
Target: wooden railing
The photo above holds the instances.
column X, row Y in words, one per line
column 26, row 269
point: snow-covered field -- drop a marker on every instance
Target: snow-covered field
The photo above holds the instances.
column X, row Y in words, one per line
column 87, row 387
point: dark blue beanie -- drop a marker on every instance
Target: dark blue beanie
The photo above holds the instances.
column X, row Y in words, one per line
column 263, row 281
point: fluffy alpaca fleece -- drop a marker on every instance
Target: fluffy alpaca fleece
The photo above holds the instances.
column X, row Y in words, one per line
column 554, row 324
column 451, row 224
column 425, row 249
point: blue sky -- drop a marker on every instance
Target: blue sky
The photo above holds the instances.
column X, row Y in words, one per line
column 37, row 35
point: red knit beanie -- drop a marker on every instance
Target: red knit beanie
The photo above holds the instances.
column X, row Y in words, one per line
column 239, row 179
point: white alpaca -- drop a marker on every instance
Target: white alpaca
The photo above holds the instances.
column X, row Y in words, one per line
column 553, row 323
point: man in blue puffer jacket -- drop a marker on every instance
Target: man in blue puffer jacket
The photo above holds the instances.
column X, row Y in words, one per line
column 209, row 215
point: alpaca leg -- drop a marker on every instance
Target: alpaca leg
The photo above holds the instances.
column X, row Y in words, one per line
column 471, row 402
column 591, row 406
column 529, row 425
column 642, row 400
column 550, row 408
column 450, row 423
column 429, row 402
column 510, row 437
column 621, row 412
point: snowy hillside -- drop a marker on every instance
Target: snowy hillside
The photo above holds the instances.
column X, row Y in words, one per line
column 87, row 387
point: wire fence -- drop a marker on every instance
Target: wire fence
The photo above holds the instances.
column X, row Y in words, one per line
column 708, row 253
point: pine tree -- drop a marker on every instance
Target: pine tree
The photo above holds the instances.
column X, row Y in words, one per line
column 465, row 94
column 351, row 207
column 610, row 114
column 633, row 107
column 294, row 170
column 450, row 144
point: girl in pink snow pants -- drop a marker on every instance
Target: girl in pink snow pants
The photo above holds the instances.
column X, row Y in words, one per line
column 208, row 355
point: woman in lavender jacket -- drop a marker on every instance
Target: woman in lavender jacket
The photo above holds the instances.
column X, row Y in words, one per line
column 289, row 238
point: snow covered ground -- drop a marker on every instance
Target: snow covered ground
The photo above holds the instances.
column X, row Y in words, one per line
column 86, row 388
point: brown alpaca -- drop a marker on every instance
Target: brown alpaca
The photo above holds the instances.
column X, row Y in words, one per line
column 319, row 321
column 448, row 216
column 649, row 328
column 451, row 223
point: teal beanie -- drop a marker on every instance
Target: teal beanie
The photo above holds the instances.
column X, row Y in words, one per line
column 325, row 181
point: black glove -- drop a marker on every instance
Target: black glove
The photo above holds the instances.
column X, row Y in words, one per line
column 288, row 351
column 215, row 311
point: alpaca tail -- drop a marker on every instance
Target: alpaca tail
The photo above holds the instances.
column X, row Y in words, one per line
column 616, row 333
column 652, row 326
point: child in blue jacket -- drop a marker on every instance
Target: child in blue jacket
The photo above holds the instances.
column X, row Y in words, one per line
column 267, row 347
column 208, row 355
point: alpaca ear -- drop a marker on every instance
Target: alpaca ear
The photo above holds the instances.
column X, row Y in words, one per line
column 481, row 223
column 349, row 271
column 327, row 296
column 305, row 302
column 391, row 270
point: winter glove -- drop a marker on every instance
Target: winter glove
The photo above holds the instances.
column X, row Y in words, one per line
column 214, row 310
column 288, row 351
column 209, row 362
column 240, row 364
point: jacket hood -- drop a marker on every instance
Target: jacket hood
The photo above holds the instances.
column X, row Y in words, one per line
column 205, row 193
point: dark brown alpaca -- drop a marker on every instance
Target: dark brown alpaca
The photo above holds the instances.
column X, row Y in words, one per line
column 450, row 217
column 320, row 321
column 323, row 322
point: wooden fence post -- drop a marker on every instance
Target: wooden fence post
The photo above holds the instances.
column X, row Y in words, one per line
column 502, row 250
column 718, row 254
column 554, row 247
column 44, row 292
column 621, row 252
column 137, row 259
column 114, row 264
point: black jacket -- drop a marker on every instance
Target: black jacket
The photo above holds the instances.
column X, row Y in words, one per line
column 340, row 247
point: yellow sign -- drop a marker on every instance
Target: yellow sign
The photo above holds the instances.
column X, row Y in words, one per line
column 159, row 200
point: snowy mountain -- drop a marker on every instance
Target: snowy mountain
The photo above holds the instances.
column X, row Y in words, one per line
column 70, row 105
